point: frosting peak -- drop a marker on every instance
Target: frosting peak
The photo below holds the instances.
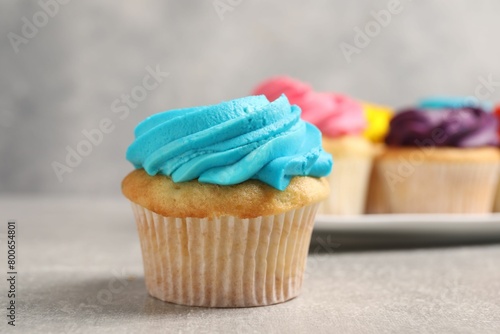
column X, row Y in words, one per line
column 231, row 142
column 460, row 127
column 453, row 102
column 378, row 118
column 334, row 114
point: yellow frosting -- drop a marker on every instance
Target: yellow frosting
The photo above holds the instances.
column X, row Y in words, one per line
column 378, row 118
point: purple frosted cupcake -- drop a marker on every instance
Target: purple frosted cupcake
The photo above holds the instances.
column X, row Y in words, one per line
column 440, row 161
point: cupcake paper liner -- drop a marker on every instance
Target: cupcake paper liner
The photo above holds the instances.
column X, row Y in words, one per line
column 349, row 185
column 435, row 187
column 375, row 202
column 226, row 261
column 496, row 205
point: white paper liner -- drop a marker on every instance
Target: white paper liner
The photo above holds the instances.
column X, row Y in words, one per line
column 496, row 205
column 225, row 262
column 348, row 186
column 434, row 187
column 375, row 202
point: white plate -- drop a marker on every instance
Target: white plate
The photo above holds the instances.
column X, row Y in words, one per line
column 465, row 226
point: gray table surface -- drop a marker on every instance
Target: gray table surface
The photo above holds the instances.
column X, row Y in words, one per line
column 80, row 271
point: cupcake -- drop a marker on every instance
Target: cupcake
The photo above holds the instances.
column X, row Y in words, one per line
column 342, row 123
column 378, row 118
column 496, row 207
column 440, row 161
column 224, row 198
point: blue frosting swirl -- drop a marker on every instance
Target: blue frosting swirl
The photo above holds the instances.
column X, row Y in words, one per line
column 231, row 142
column 450, row 102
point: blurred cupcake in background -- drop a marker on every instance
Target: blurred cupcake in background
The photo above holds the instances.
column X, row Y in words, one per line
column 378, row 118
column 440, row 160
column 497, row 114
column 454, row 102
column 496, row 207
column 342, row 122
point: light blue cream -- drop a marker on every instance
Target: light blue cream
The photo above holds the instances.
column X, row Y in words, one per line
column 231, row 142
column 452, row 102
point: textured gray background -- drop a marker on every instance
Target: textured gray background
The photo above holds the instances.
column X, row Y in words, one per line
column 66, row 77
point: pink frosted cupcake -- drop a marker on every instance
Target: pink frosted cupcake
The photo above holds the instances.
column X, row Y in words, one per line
column 342, row 123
